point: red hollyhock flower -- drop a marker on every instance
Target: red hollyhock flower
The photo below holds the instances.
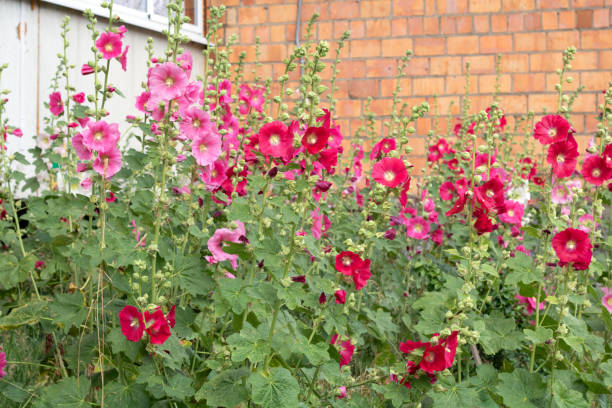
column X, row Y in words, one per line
column 458, row 206
column 573, row 245
column 409, row 346
column 340, row 296
column 171, row 316
column 447, row 191
column 450, row 348
column 322, row 298
column 362, row 274
column 390, row 172
column 275, row 140
column 132, row 324
column 433, row 359
column 315, row 139
column 329, row 159
column 483, row 222
column 385, row 146
column 157, row 326
column 347, row 262
column 299, row 278
column 594, row 170
column 346, row 353
column 551, row 128
column 491, row 195
column 562, row 157
column 607, row 156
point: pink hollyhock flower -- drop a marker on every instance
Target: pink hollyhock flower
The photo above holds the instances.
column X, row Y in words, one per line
column 551, row 128
column 315, row 139
column 521, row 248
column 81, row 167
column 101, row 136
column 347, row 262
column 514, row 213
column 341, row 392
column 606, row 300
column 563, row 156
column 141, row 101
column 438, row 236
column 108, row 163
column 86, row 183
column 111, row 198
column 437, row 151
column 320, row 224
column 123, row 58
column 81, row 150
column 447, row 191
column 214, row 176
column 157, row 326
column 79, row 98
column 409, row 346
column 275, row 140
column 206, row 147
column 195, row 121
column 362, row 274
column 530, row 303
column 346, row 353
column 132, row 324
column 17, row 132
column 573, row 245
column 491, row 195
column 56, row 106
column 167, row 81
column 587, row 223
column 2, row 364
column 340, row 296
column 86, row 69
column 185, row 61
column 215, row 244
column 390, row 172
column 109, row 44
column 562, row 194
column 121, row 30
column 417, row 228
column 386, row 145
column 136, row 232
column 595, row 171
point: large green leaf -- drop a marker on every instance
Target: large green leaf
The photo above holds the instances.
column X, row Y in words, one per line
column 520, row 389
column 565, row 397
column 28, row 314
column 275, row 389
column 225, row 389
column 67, row 393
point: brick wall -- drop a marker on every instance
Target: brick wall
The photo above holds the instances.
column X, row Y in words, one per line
column 444, row 35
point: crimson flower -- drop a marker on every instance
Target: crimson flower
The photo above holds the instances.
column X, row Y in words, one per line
column 447, row 191
column 346, row 353
column 275, row 140
column 347, row 262
column 56, row 105
column 362, row 274
column 315, row 139
column 409, row 346
column 340, row 296
column 385, row 146
column 132, row 324
column 551, row 128
column 562, row 157
column 595, row 171
column 157, row 326
column 573, row 245
column 607, row 156
column 390, row 172
column 458, row 206
column 433, row 359
column 491, row 195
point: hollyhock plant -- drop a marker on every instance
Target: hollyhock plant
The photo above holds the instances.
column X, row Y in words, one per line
column 514, row 213
column 195, row 121
column 107, row 163
column 385, row 146
column 551, row 128
column 167, row 81
column 530, row 303
column 390, row 172
column 2, row 364
column 132, row 323
column 157, row 326
column 347, row 262
column 562, row 156
column 362, row 274
column 346, row 352
column 315, row 139
column 56, row 106
column 206, row 148
column 595, row 171
column 417, row 228
column 606, row 300
column 109, row 44
column 86, row 70
column 101, row 136
column 491, row 195
column 82, row 151
column 275, row 140
column 215, row 244
column 573, row 246
column 340, row 296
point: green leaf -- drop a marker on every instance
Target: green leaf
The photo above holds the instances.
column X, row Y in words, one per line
column 520, row 389
column 248, row 344
column 119, row 344
column 522, row 270
column 498, row 333
column 231, row 290
column 179, row 387
column 130, row 395
column 539, row 336
column 68, row 309
column 454, row 395
column 276, row 389
column 396, row 393
column 565, row 397
column 225, row 389
column 607, row 370
column 27, row 314
column 191, row 275
column 67, row 393
column 317, row 354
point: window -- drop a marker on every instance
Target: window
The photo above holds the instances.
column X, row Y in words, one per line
column 149, row 14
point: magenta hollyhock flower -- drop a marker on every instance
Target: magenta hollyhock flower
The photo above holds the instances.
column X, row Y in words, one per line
column 587, row 223
column 347, row 262
column 551, row 128
column 447, row 191
column 328, row 158
column 206, row 147
column 514, row 213
column 315, row 139
column 82, row 151
column 108, row 163
column 185, row 61
column 167, row 81
column 109, row 44
column 123, row 58
column 56, row 106
column 86, row 69
column 390, row 172
column 385, row 145
column 433, row 359
column 607, row 156
column 341, row 392
column 562, row 156
column 438, row 236
column 141, row 101
column 573, row 245
column 491, row 195
column 171, row 316
column 606, row 300
column 215, row 244
column 346, row 352
column 81, row 167
column 320, row 224
column 79, row 98
column 101, row 136
column 275, row 140
column 214, row 176
column 362, row 274
column 157, row 326
column 409, row 346
column 595, row 171
column 132, row 324
column 195, row 121
column 530, row 303
column 86, row 183
column 2, row 364
column 340, row 296
column 417, row 228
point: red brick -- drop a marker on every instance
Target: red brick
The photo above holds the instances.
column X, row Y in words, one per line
column 567, row 19
column 484, row 6
column 282, row 14
column 601, row 18
column 445, row 65
column 381, row 67
column 455, row 85
column 247, row 35
column 378, row 28
column 396, row 47
column 387, row 87
column 560, row 40
column 495, row 44
column 418, row 66
column 599, row 39
column 340, row 27
column 587, row 3
column 462, row 44
column 486, row 83
column 273, row 52
column 584, row 18
column 263, row 32
column 553, row 4
column 595, row 81
column 408, row 8
column 452, row 6
column 362, row 88
column 552, row 79
column 514, row 63
column 344, row 10
column 481, row 23
column 605, row 59
column 415, row 26
column 532, row 21
column 448, row 25
column 515, row 22
column 464, row 24
column 529, row 42
column 428, row 86
column 357, row 28
column 252, row 15
column 499, row 23
column 515, row 5
column 365, row 48
column 325, row 31
column 585, row 61
column 382, row 107
column 431, row 25
column 348, row 108
column 514, row 104
column 533, row 82
column 231, row 16
column 376, row 8
column 352, row 69
column 547, row 62
column 322, row 9
column 480, row 64
column 586, row 102
column 549, row 20
column 429, row 46
column 399, row 27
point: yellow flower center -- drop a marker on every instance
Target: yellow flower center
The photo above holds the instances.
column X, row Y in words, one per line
column 560, row 159
column 274, row 140
column 169, row 81
column 418, row 228
column 490, row 193
column 596, row 173
column 134, row 323
column 570, row 245
column 214, row 173
column 346, row 261
column 98, row 135
column 389, row 175
column 108, row 47
column 203, row 148
column 510, row 213
column 610, row 301
column 311, row 139
column 429, row 357
column 197, row 123
column 552, row 132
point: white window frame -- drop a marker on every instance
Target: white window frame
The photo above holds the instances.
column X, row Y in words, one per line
column 144, row 19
